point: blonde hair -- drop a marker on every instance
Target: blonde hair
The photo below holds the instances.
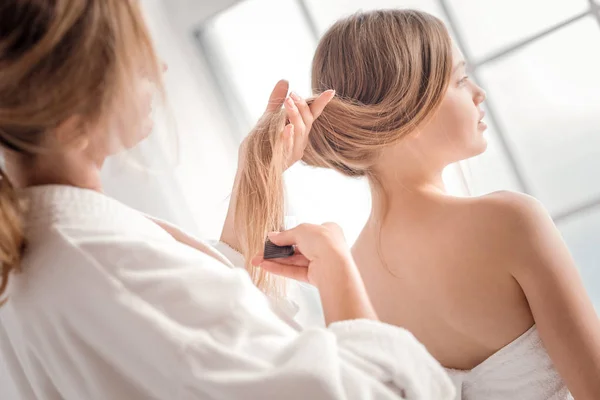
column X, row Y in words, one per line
column 390, row 70
column 59, row 59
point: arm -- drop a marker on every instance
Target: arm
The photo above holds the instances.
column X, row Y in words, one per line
column 180, row 325
column 565, row 317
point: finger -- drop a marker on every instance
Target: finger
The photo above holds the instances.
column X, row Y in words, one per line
column 297, row 259
column 257, row 260
column 305, row 112
column 289, row 237
column 295, row 118
column 301, row 136
column 288, row 271
column 293, row 115
column 278, row 96
column 288, row 139
column 319, row 104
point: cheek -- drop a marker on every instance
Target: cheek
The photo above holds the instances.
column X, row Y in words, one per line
column 459, row 114
column 453, row 132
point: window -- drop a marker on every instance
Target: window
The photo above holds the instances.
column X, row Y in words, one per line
column 581, row 231
column 326, row 13
column 491, row 26
column 547, row 98
column 537, row 60
column 275, row 43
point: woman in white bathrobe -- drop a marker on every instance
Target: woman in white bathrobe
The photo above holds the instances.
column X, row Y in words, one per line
column 102, row 302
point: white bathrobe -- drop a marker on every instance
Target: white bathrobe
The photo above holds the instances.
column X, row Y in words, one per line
column 110, row 306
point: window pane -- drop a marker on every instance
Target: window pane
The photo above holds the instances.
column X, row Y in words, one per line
column 547, row 97
column 275, row 43
column 491, row 25
column 327, row 12
column 581, row 234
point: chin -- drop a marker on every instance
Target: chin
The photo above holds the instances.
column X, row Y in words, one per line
column 142, row 134
column 479, row 147
column 483, row 143
column 473, row 149
column 145, row 130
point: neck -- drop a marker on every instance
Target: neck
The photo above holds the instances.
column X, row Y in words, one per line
column 399, row 187
column 72, row 169
column 399, row 180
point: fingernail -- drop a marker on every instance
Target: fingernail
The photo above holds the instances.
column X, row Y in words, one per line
column 290, row 103
column 332, row 92
column 294, row 96
column 271, row 235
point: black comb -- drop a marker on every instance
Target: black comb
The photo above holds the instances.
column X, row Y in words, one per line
column 273, row 251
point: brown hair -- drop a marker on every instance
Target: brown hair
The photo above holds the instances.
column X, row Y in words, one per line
column 59, row 59
column 390, row 70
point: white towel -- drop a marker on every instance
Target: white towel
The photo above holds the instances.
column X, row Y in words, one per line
column 521, row 370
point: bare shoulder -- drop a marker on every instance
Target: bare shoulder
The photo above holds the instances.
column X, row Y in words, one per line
column 510, row 210
column 502, row 222
column 512, row 204
column 520, row 225
column 495, row 214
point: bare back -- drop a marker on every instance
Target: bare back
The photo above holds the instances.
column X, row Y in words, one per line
column 440, row 272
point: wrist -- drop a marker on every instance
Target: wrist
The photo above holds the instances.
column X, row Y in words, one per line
column 336, row 273
column 345, row 297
